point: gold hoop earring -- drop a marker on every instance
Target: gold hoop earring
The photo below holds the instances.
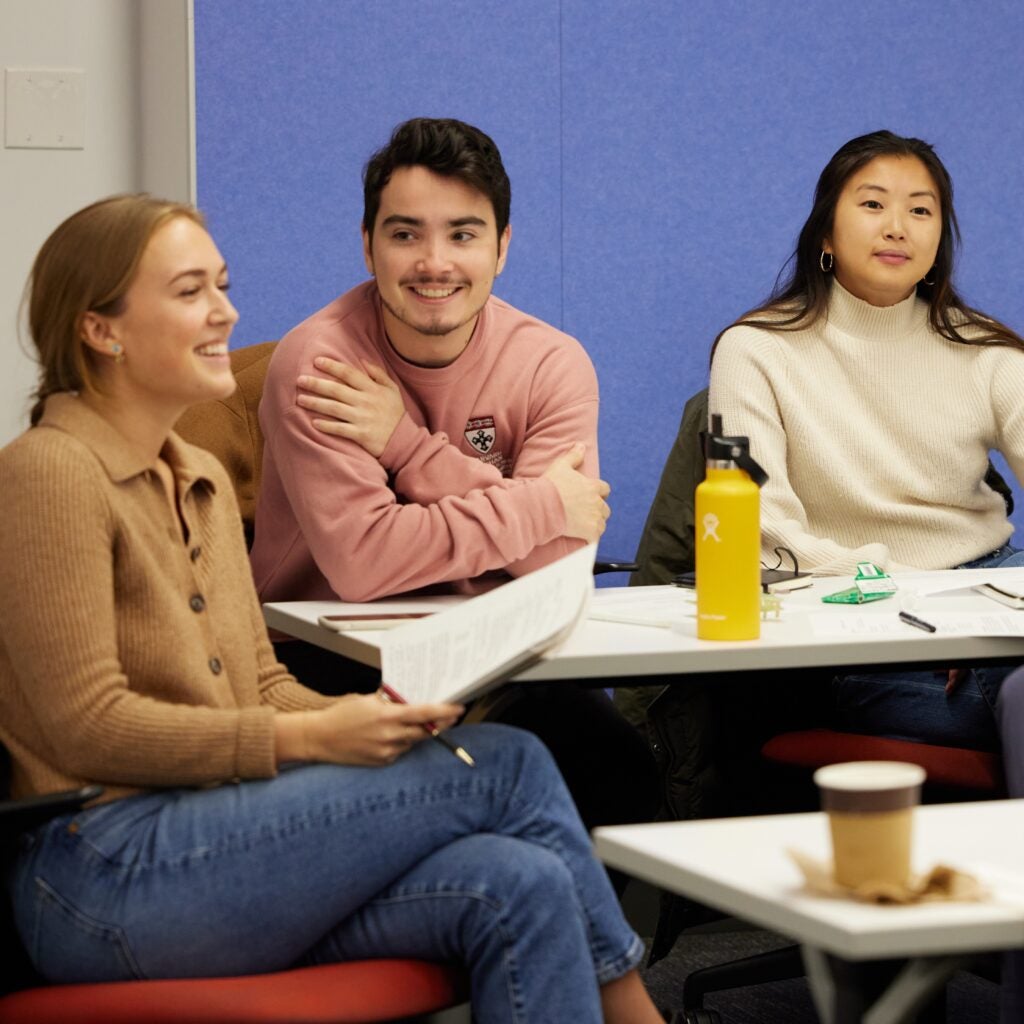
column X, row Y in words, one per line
column 924, row 280
column 117, row 351
column 821, row 261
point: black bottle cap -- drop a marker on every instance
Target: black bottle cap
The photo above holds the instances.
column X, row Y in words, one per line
column 720, row 448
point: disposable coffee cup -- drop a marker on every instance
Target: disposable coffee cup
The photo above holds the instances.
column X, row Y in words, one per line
column 870, row 807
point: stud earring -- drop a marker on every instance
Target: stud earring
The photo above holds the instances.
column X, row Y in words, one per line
column 117, row 351
column 821, row 261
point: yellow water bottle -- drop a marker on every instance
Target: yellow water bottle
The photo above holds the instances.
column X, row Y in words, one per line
column 728, row 540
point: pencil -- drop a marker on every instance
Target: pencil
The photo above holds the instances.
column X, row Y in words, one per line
column 388, row 694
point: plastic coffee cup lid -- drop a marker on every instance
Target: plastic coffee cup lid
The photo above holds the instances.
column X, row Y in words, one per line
column 869, row 775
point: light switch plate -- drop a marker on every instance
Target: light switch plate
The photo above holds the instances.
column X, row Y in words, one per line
column 45, row 108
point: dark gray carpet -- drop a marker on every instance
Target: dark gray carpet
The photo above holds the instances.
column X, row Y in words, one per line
column 971, row 1000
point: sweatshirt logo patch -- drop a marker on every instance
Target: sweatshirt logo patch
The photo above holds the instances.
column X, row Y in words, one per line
column 480, row 433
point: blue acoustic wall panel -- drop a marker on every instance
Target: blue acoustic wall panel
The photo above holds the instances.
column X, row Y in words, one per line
column 663, row 156
column 292, row 98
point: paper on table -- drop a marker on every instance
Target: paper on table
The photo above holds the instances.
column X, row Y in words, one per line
column 948, row 623
column 942, row 883
column 939, row 581
column 463, row 651
column 644, row 606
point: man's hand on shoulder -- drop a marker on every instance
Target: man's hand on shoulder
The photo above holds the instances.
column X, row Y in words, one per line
column 364, row 405
column 586, row 511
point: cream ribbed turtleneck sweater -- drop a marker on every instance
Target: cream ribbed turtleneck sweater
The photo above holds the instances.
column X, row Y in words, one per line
column 875, row 432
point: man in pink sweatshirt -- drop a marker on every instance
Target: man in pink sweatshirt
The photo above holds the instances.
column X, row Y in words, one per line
column 418, row 430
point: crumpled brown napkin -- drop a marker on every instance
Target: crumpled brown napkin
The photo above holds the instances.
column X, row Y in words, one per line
column 941, row 883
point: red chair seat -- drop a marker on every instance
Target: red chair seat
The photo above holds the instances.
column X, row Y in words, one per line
column 360, row 992
column 946, row 766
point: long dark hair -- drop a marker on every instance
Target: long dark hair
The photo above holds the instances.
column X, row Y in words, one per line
column 799, row 300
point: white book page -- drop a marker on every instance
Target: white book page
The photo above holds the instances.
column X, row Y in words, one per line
column 460, row 652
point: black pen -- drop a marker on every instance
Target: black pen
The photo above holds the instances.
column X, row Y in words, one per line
column 913, row 620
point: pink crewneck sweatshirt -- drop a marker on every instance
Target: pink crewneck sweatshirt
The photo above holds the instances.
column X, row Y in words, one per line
column 457, row 492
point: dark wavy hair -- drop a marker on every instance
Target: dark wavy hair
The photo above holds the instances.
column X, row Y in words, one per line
column 447, row 147
column 799, row 300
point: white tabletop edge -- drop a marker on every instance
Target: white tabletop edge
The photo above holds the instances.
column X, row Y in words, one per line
column 852, row 930
column 608, row 650
column 283, row 619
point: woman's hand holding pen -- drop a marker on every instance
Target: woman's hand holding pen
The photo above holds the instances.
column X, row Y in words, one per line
column 358, row 729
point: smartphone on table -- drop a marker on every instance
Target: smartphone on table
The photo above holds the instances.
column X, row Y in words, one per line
column 371, row 620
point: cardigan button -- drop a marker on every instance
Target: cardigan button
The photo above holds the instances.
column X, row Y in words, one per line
column 196, row 602
column 215, row 666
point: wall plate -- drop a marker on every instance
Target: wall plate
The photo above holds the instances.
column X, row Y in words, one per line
column 45, row 108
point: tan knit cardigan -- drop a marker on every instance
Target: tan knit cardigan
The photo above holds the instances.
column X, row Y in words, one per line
column 128, row 657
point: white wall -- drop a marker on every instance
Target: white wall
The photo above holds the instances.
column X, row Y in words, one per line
column 136, row 56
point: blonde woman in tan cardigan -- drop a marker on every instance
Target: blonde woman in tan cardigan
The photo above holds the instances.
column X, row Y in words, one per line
column 248, row 823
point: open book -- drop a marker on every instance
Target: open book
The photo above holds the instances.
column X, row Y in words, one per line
column 463, row 651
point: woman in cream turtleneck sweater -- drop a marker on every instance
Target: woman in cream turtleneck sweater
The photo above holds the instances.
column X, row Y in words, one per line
column 872, row 395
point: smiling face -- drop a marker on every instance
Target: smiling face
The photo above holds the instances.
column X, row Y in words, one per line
column 886, row 229
column 434, row 252
column 174, row 327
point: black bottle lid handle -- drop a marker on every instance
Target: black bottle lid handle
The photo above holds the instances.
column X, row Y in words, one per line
column 739, row 450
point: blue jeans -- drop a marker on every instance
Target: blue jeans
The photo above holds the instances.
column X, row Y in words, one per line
column 489, row 867
column 915, row 706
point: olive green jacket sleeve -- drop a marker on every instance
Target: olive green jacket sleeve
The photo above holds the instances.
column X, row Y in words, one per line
column 666, row 545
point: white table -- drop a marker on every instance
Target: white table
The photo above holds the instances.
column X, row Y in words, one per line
column 740, row 866
column 609, row 650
